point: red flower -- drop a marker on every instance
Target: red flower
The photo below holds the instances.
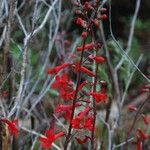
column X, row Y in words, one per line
column 86, row 47
column 88, row 6
column 84, row 35
column 85, row 70
column 146, row 119
column 96, row 22
column 62, row 81
column 103, row 10
column 142, row 134
column 56, row 69
column 77, row 68
column 76, row 122
column 139, row 144
column 50, row 138
column 99, row 97
column 81, row 22
column 88, row 124
column 61, row 108
column 67, row 93
column 82, row 85
column 132, row 108
column 103, row 17
column 12, row 126
column 98, row 59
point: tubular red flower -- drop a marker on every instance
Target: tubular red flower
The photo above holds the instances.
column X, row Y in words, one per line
column 88, row 124
column 77, row 68
column 88, row 6
column 103, row 10
column 103, row 17
column 67, row 93
column 96, row 22
column 82, row 85
column 56, row 69
column 139, row 144
column 50, row 138
column 62, row 81
column 12, row 126
column 98, row 59
column 85, row 70
column 99, row 97
column 76, row 122
column 81, row 22
column 86, row 47
column 146, row 119
column 142, row 134
column 84, row 35
column 61, row 108
column 132, row 108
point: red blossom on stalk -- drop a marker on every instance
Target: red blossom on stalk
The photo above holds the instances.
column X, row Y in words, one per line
column 96, row 22
column 142, row 134
column 88, row 6
column 86, row 47
column 84, row 35
column 87, row 71
column 67, row 93
column 81, row 22
column 82, row 85
column 131, row 108
column 103, row 10
column 103, row 17
column 99, row 96
column 98, row 59
column 50, row 137
column 77, row 68
column 88, row 124
column 139, row 144
column 146, row 119
column 76, row 122
column 62, row 108
column 56, row 69
column 62, row 81
column 12, row 126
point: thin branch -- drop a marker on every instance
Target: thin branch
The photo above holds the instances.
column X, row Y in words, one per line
column 123, row 53
column 129, row 80
column 131, row 33
column 109, row 132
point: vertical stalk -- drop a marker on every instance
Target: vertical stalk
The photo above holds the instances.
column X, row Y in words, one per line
column 75, row 98
column 94, row 108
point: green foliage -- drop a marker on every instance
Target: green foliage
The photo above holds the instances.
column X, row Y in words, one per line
column 15, row 52
column 142, row 25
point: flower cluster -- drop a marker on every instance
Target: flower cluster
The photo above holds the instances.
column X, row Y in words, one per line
column 75, row 94
column 50, row 137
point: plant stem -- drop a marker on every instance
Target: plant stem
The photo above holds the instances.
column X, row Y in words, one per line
column 75, row 98
column 94, row 108
column 134, row 121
